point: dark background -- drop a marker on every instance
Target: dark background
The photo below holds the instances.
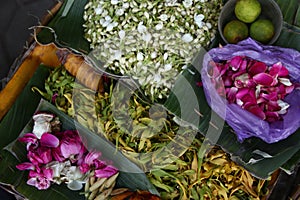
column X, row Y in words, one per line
column 17, row 16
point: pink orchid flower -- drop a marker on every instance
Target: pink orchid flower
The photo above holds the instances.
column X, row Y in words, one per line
column 40, row 180
column 106, row 171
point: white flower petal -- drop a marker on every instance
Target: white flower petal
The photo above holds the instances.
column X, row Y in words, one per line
column 168, row 67
column 166, row 55
column 187, row 38
column 120, row 12
column 159, row 26
column 187, row 3
column 98, row 10
column 140, row 56
column 114, row 2
column 153, row 54
column 146, row 37
column 141, row 28
column 157, row 78
column 122, row 34
column 163, row 17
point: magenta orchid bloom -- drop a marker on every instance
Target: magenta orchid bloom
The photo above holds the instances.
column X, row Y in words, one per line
column 59, row 157
column 253, row 85
column 42, row 180
column 105, row 172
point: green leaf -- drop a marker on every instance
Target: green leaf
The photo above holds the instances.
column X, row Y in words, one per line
column 67, row 25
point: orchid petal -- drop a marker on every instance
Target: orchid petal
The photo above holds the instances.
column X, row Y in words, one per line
column 91, row 156
column 106, row 172
column 49, row 140
column 263, row 79
column 25, row 166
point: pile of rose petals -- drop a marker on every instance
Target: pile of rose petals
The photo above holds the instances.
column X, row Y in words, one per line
column 253, row 85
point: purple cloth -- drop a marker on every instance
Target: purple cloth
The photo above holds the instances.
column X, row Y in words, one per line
column 244, row 123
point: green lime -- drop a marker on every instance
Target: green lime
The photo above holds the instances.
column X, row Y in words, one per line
column 247, row 10
column 262, row 30
column 235, row 31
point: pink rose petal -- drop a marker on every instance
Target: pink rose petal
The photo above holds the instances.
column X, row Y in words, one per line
column 263, row 79
column 279, row 69
column 257, row 67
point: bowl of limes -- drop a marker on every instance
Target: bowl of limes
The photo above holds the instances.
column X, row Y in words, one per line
column 259, row 19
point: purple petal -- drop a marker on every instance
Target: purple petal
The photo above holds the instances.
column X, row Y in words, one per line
column 257, row 68
column 263, row 79
column 25, row 166
column 106, row 172
column 49, row 140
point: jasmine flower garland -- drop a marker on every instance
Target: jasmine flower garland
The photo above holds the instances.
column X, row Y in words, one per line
column 151, row 41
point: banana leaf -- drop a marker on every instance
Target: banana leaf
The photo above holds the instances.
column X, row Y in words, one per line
column 13, row 152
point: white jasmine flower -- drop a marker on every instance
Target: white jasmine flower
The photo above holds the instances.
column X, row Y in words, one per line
column 141, row 28
column 146, row 37
column 99, row 10
column 140, row 56
column 114, row 2
column 209, row 26
column 126, row 5
column 121, row 34
column 198, row 20
column 168, row 67
column 187, row 38
column 111, row 26
column 187, row 3
column 153, row 54
column 157, row 78
column 120, row 12
column 166, row 55
column 163, row 17
column 159, row 26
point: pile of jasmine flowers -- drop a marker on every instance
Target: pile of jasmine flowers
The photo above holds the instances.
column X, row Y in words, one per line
column 57, row 156
column 150, row 41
